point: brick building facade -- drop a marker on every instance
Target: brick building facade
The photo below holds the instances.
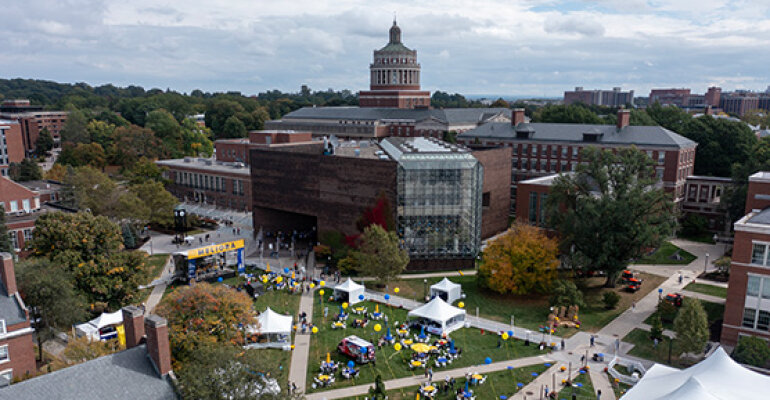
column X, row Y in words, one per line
column 304, row 187
column 540, row 149
column 22, row 207
column 17, row 354
column 32, row 121
column 747, row 308
column 11, row 145
column 609, row 98
column 703, row 197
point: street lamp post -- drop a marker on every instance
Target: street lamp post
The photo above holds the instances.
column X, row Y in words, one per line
column 425, row 289
column 706, row 263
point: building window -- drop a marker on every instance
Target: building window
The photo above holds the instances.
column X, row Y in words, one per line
column 3, row 330
column 485, row 199
column 14, row 206
column 763, row 320
column 752, row 287
column 534, row 150
column 659, row 173
column 575, row 152
column 564, row 152
column 4, row 356
column 554, row 152
column 515, row 149
column 543, row 198
column 758, row 254
column 661, row 157
column 14, row 239
column 749, row 315
column 6, row 377
column 533, row 207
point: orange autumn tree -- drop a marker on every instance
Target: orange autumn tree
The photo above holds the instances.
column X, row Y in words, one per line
column 521, row 261
column 203, row 315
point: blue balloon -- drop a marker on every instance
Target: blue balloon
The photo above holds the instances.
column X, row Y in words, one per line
column 360, row 297
column 510, row 333
column 534, row 374
column 351, row 364
column 520, row 384
column 487, row 360
column 503, row 397
column 387, row 297
column 510, row 367
column 579, row 384
column 219, row 279
column 547, row 364
column 286, row 270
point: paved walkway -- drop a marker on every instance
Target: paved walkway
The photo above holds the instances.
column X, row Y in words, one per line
column 438, row 376
column 301, row 352
column 157, row 291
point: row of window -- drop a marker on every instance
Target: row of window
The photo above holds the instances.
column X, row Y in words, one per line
column 759, row 254
column 27, row 233
column 757, row 286
column 26, row 205
column 207, row 182
column 707, row 193
column 537, row 214
column 546, row 166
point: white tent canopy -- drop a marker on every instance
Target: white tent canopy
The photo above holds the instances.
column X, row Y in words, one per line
column 349, row 291
column 445, row 318
column 91, row 328
column 715, row 378
column 274, row 328
column 447, row 290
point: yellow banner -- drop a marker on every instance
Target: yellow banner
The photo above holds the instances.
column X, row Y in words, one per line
column 121, row 335
column 215, row 249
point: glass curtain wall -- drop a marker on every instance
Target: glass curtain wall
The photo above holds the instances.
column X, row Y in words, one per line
column 439, row 204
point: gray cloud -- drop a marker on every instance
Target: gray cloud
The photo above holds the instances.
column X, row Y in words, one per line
column 574, row 25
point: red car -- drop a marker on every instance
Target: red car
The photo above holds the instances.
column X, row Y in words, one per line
column 634, row 285
column 358, row 349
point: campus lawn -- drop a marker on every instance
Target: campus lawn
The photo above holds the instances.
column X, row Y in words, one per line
column 712, row 290
column 497, row 383
column 714, row 312
column 530, row 311
column 644, row 347
column 664, row 252
column 619, row 388
column 155, row 264
column 391, row 364
column 582, row 386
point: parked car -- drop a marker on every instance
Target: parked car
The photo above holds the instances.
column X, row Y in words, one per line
column 675, row 299
column 358, row 349
column 633, row 285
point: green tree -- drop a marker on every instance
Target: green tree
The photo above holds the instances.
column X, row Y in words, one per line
column 83, row 154
column 44, row 143
column 203, row 315
column 145, row 170
column 233, row 128
column 131, row 143
column 752, row 350
column 378, row 392
column 758, row 159
column 450, row 136
column 379, row 254
column 610, row 299
column 656, row 328
column 221, row 372
column 666, row 311
column 218, row 112
column 157, row 200
column 93, row 190
column 523, row 260
column 566, row 114
column 196, row 140
column 610, row 210
column 129, row 240
column 565, row 294
column 50, row 295
column 167, row 129
column 89, row 247
column 500, row 103
column 74, row 130
column 6, row 246
column 670, row 117
column 100, row 132
column 721, row 143
column 691, row 326
column 26, row 170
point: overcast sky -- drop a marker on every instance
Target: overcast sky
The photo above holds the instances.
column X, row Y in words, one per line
column 509, row 47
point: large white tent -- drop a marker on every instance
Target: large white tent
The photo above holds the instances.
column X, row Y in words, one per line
column 446, row 290
column 440, row 316
column 715, row 378
column 349, row 291
column 91, row 328
column 276, row 328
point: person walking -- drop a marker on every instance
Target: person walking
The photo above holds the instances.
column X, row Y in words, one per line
column 592, row 340
column 563, row 344
column 599, row 394
column 430, row 373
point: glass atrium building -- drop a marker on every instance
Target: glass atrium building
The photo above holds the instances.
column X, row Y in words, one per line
column 439, row 189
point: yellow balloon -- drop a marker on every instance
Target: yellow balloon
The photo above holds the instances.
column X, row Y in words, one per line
column 344, row 306
column 312, row 285
column 323, row 283
column 461, row 304
column 264, row 279
column 505, row 336
column 377, row 328
column 396, row 290
column 321, row 292
column 292, row 347
column 397, row 346
column 279, row 279
column 315, row 329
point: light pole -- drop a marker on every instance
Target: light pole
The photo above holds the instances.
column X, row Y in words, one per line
column 425, row 289
column 706, row 263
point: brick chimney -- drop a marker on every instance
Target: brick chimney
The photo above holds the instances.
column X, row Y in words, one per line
column 133, row 323
column 7, row 274
column 157, row 343
column 517, row 116
column 624, row 118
